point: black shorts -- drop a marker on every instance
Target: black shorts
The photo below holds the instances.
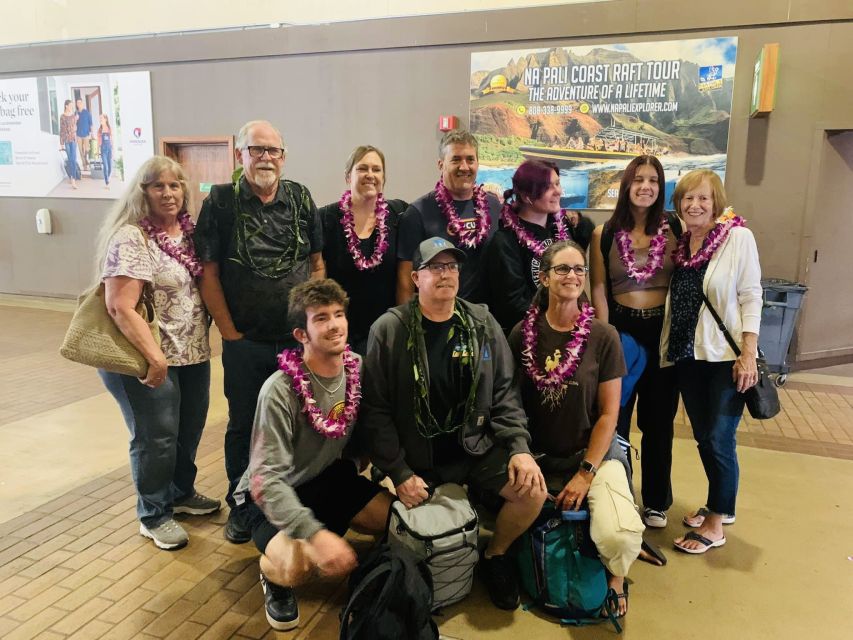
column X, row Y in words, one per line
column 335, row 497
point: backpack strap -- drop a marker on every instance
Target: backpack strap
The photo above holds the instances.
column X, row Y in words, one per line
column 364, row 583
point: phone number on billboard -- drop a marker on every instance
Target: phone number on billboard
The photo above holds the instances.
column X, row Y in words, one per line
column 546, row 109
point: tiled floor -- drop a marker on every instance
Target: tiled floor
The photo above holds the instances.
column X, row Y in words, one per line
column 72, row 564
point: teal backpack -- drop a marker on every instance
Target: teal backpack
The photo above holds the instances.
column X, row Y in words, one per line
column 560, row 569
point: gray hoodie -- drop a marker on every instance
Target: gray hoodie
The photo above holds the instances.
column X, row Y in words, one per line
column 387, row 425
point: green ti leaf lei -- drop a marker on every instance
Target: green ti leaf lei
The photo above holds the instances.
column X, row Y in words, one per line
column 279, row 267
column 426, row 422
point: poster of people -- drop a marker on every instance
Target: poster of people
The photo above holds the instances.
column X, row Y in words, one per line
column 75, row 136
column 591, row 109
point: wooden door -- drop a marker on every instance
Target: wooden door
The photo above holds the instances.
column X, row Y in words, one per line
column 206, row 161
column 827, row 317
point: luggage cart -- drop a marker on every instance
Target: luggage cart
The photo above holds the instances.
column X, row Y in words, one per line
column 782, row 302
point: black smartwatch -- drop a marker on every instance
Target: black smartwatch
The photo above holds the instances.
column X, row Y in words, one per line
column 586, row 465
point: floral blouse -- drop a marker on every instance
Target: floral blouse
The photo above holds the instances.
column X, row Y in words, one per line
column 67, row 128
column 177, row 300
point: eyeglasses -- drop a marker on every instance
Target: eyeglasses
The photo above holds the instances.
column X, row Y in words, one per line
column 440, row 267
column 564, row 269
column 258, row 152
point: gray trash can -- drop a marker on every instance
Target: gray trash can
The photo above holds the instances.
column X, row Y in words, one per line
column 782, row 302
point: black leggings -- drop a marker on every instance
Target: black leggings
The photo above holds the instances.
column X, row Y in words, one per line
column 656, row 397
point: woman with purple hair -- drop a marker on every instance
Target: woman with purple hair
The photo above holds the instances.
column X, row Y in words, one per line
column 531, row 220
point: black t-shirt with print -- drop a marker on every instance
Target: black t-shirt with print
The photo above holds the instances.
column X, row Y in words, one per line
column 448, row 385
column 425, row 219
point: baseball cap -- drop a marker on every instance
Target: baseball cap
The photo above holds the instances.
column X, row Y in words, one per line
column 430, row 248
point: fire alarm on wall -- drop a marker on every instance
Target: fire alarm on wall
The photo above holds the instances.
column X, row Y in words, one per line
column 448, row 123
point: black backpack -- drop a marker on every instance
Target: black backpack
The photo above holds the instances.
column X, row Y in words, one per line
column 390, row 598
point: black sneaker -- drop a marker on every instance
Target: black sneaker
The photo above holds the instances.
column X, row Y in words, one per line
column 499, row 575
column 235, row 530
column 280, row 604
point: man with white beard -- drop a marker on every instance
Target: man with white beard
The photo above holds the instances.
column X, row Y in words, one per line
column 257, row 237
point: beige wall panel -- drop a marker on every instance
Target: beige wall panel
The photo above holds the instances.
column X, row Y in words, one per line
column 662, row 15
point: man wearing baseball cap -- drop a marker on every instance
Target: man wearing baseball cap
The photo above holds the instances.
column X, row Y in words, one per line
column 440, row 406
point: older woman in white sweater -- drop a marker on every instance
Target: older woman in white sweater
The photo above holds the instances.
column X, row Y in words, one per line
column 717, row 257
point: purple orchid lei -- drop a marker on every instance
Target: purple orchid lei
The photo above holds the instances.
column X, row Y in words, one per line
column 467, row 237
column 290, row 362
column 552, row 384
column 510, row 220
column 348, row 223
column 713, row 241
column 183, row 252
column 654, row 261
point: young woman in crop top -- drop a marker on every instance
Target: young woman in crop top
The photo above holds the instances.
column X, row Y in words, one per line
column 629, row 286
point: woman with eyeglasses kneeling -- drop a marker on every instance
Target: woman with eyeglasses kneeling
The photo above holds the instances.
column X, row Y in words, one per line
column 716, row 266
column 531, row 219
column 146, row 240
column 360, row 242
column 571, row 374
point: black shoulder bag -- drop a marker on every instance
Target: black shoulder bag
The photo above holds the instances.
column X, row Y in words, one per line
column 762, row 400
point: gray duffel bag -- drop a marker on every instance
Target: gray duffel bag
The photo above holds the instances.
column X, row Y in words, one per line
column 443, row 532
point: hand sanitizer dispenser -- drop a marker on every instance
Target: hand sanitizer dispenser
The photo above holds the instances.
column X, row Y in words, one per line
column 43, row 221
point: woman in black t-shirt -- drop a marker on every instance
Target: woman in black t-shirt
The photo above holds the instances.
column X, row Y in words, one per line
column 360, row 242
column 531, row 219
column 571, row 368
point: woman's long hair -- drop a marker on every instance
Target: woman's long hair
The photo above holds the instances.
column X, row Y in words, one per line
column 133, row 204
column 622, row 218
column 540, row 298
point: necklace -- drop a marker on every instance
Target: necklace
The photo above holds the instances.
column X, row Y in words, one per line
column 290, row 361
column 316, row 379
column 552, row 384
column 713, row 241
column 654, row 261
column 469, row 238
column 510, row 220
column 184, row 251
column 348, row 223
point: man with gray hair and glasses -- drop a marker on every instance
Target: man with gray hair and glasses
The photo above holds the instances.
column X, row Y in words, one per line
column 257, row 237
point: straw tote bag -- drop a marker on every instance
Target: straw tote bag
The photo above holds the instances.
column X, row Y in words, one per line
column 94, row 339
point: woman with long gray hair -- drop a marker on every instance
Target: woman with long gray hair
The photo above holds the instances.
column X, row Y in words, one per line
column 146, row 240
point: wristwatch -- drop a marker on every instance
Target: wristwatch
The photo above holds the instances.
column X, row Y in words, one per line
column 586, row 465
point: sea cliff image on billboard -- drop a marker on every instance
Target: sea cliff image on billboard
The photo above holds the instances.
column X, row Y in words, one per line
column 591, row 109
column 74, row 136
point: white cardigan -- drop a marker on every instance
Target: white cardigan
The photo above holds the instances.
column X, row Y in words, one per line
column 733, row 285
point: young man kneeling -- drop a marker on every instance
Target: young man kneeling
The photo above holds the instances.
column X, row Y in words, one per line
column 300, row 492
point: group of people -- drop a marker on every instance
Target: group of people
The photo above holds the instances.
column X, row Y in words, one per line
column 357, row 333
column 75, row 133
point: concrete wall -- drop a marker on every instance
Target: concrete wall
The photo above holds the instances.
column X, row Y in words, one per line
column 385, row 82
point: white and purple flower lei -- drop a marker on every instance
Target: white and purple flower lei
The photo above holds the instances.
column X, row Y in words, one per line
column 468, row 238
column 348, row 223
column 510, row 220
column 654, row 262
column 713, row 241
column 184, row 255
column 290, row 362
column 552, row 384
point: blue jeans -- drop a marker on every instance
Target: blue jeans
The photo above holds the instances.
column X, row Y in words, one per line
column 72, row 166
column 714, row 407
column 165, row 427
column 107, row 159
column 247, row 365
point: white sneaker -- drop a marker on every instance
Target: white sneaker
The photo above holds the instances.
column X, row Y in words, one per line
column 167, row 535
column 654, row 518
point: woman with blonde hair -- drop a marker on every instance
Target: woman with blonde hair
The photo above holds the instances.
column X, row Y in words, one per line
column 717, row 266
column 146, row 240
